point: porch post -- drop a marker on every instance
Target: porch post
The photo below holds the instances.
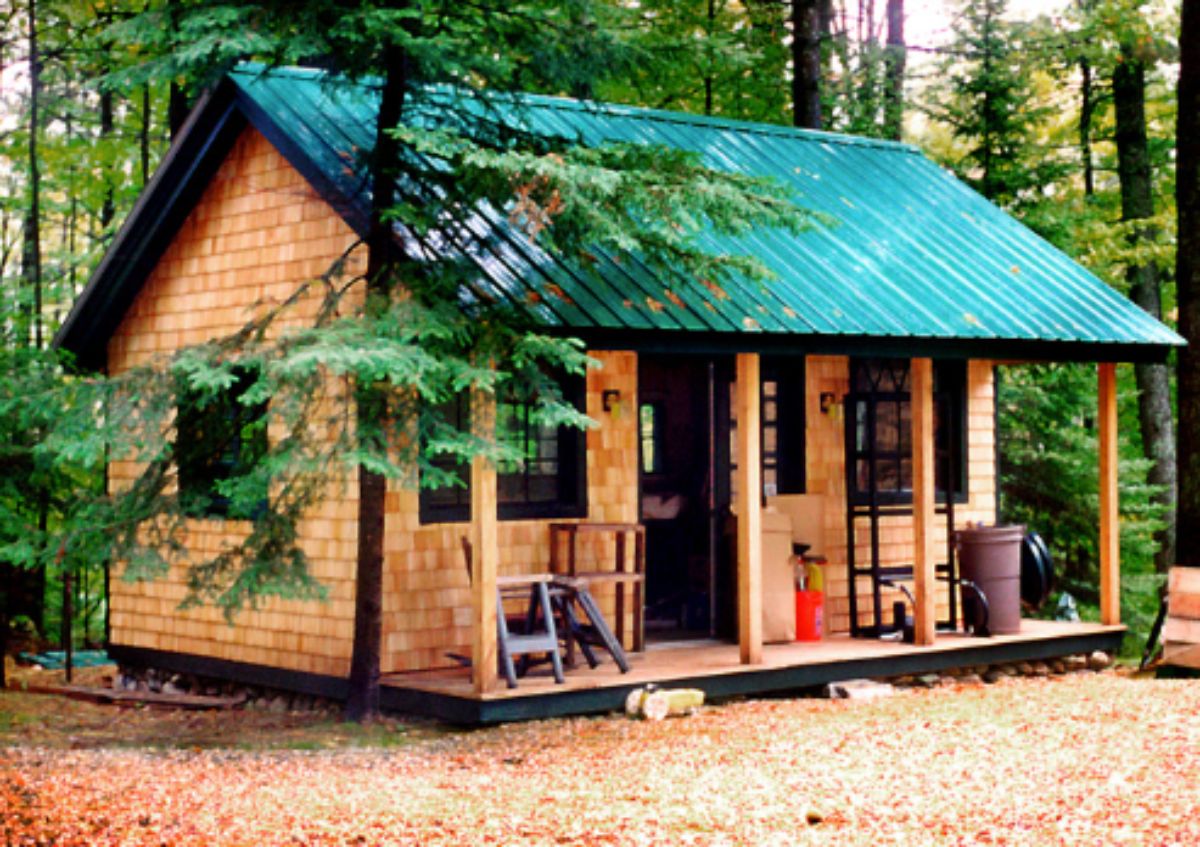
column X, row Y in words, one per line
column 925, row 613
column 485, row 549
column 749, row 509
column 1110, row 532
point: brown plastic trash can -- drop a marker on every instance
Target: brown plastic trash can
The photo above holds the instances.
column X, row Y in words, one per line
column 990, row 557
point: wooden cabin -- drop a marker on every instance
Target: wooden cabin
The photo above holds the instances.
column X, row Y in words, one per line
column 856, row 394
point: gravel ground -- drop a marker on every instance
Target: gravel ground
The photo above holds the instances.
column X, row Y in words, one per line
column 1081, row 759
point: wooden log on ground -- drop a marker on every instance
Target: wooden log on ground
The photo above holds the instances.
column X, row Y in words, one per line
column 137, row 698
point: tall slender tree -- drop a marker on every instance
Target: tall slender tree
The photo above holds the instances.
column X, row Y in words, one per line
column 1137, row 208
column 411, row 346
column 806, row 64
column 1187, row 278
column 895, row 60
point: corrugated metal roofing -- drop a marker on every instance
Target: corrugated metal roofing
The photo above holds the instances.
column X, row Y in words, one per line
column 913, row 255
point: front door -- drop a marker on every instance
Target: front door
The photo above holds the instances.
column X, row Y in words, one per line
column 683, row 416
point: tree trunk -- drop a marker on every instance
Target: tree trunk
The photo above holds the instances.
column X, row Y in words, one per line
column 1187, row 277
column 1087, row 108
column 806, row 64
column 895, row 60
column 32, row 257
column 108, row 207
column 178, row 106
column 1153, row 380
column 363, row 697
column 144, row 135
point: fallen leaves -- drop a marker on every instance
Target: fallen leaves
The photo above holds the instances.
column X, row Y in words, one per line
column 1082, row 759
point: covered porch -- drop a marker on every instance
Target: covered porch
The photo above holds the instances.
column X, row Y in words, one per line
column 717, row 669
column 751, row 666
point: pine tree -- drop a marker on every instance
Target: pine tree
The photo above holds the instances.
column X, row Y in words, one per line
column 411, row 347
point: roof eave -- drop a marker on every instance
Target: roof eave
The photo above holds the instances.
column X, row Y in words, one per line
column 991, row 349
column 194, row 156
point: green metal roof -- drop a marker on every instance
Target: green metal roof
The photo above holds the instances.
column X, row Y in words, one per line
column 914, row 259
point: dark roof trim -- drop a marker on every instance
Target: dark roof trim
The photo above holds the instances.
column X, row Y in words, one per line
column 186, row 169
column 1002, row 349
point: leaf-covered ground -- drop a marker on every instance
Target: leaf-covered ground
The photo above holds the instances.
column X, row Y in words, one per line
column 1092, row 759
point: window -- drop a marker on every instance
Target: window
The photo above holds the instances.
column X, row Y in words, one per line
column 551, row 481
column 782, row 417
column 218, row 439
column 879, row 412
column 650, row 433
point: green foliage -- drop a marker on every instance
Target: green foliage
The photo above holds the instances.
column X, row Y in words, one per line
column 988, row 99
column 437, row 333
column 1049, row 471
column 712, row 57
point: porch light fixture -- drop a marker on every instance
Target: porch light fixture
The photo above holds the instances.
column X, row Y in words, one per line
column 610, row 399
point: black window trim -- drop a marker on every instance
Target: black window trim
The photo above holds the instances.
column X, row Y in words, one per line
column 957, row 395
column 189, row 475
column 571, row 442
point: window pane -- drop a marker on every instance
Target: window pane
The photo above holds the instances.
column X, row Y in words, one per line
column 887, row 426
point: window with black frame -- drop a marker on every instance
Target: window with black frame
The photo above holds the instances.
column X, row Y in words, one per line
column 782, row 419
column 219, row 438
column 549, row 481
column 879, row 412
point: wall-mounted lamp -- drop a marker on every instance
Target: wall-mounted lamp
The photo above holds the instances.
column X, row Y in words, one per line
column 610, row 399
column 827, row 402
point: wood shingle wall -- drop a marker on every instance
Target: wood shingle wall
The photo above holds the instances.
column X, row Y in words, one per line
column 825, row 442
column 258, row 231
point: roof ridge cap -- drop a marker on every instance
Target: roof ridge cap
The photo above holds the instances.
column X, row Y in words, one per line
column 644, row 112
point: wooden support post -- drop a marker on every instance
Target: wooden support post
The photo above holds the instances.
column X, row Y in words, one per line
column 1110, row 531
column 485, row 545
column 923, row 457
column 749, row 509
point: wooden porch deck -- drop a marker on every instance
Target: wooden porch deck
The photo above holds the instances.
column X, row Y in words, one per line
column 715, row 668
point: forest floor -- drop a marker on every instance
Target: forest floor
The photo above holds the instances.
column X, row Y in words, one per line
column 1082, row 759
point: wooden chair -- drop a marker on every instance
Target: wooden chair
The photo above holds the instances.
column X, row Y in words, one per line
column 528, row 640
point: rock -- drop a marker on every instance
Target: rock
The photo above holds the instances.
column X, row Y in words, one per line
column 1009, row 670
column 1075, row 663
column 302, row 703
column 970, row 679
column 1041, row 669
column 812, row 817
column 993, row 676
column 928, row 680
column 858, row 689
column 1025, row 669
column 902, row 681
column 1099, row 660
column 278, row 704
column 170, row 687
column 1058, row 666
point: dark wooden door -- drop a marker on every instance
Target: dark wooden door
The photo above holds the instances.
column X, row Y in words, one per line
column 683, row 420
